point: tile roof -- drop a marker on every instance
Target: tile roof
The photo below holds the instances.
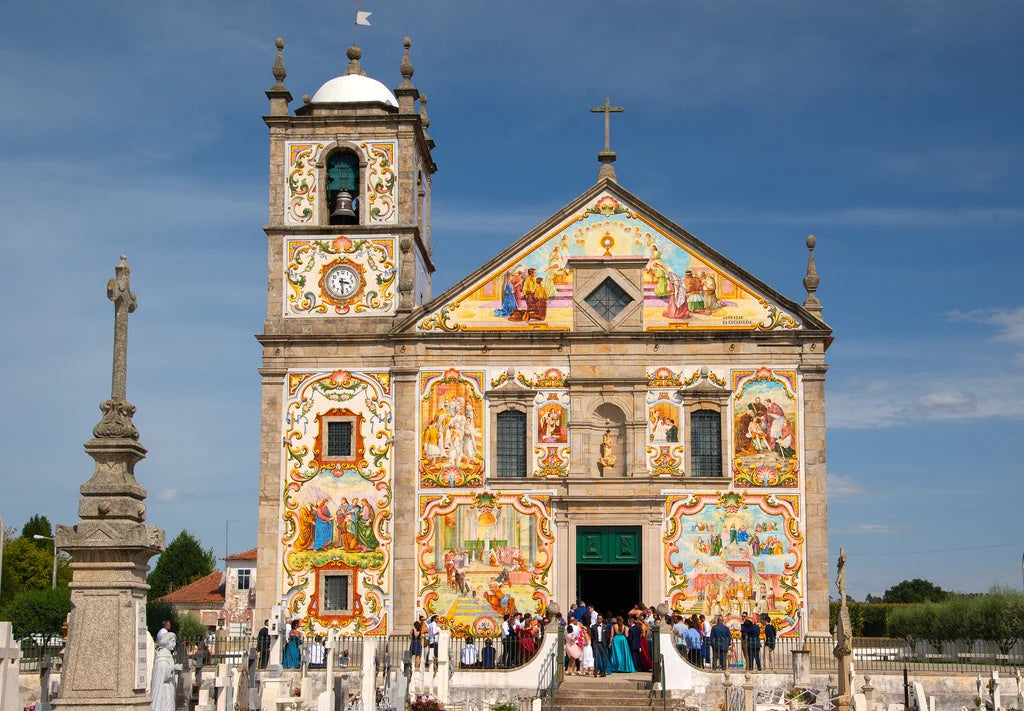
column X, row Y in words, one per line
column 208, row 590
column 247, row 555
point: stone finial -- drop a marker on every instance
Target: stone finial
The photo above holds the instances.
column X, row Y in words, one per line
column 354, row 54
column 811, row 279
column 279, row 96
column 278, row 70
column 424, row 119
column 406, row 67
column 306, row 98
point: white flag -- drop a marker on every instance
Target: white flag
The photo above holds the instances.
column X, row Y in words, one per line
column 363, row 17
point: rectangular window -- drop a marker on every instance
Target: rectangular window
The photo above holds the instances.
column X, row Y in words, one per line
column 511, row 444
column 706, row 443
column 244, row 578
column 339, row 439
column 335, row 593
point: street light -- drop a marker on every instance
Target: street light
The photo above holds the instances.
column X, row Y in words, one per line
column 53, row 581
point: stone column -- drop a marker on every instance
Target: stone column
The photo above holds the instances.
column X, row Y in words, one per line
column 105, row 659
column 268, row 539
column 405, row 506
column 815, row 619
column 652, row 589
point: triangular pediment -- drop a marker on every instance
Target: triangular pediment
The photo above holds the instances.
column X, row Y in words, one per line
column 683, row 283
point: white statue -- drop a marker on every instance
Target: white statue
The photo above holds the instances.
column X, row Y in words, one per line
column 163, row 682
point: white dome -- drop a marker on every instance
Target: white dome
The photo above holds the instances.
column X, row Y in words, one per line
column 353, row 88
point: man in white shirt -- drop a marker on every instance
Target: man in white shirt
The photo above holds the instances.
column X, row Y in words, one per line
column 506, row 646
column 165, row 628
column 470, row 654
column 433, row 630
column 317, row 654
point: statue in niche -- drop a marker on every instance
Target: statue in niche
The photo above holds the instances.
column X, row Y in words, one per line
column 607, row 458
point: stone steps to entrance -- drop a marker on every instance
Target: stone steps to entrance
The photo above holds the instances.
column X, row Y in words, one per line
column 616, row 691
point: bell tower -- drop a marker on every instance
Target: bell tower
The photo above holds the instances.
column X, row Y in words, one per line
column 349, row 218
column 348, row 256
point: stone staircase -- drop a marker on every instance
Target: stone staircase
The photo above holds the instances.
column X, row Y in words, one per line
column 625, row 692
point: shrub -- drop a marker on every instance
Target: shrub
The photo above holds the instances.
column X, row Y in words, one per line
column 190, row 626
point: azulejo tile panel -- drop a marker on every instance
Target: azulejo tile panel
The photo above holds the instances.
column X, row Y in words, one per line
column 336, row 500
column 765, row 418
column 452, row 428
column 483, row 555
column 303, row 191
column 731, row 552
column 369, row 266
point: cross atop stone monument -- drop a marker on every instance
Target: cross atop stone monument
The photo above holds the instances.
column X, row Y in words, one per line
column 607, row 156
column 119, row 291
column 117, row 411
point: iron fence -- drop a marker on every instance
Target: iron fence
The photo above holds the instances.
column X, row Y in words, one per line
column 508, row 653
column 33, row 651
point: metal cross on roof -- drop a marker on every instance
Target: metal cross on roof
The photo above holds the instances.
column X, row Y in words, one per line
column 607, row 110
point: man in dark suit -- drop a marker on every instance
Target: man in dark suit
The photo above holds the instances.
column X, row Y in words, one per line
column 263, row 644
column 633, row 637
column 599, row 642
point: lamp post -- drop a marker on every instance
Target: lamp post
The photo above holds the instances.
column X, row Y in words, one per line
column 53, row 579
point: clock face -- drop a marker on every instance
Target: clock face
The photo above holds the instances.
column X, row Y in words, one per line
column 342, row 281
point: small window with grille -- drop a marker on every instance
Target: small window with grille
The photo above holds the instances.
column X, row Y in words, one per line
column 608, row 299
column 335, row 593
column 511, row 444
column 706, row 443
column 339, row 443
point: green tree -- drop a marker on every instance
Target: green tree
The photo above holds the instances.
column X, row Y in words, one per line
column 191, row 627
column 1001, row 617
column 38, row 525
column 38, row 612
column 156, row 613
column 916, row 590
column 29, row 567
column 184, row 562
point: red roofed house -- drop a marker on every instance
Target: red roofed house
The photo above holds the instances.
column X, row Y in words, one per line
column 218, row 602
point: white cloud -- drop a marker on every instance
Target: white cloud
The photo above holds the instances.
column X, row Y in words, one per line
column 1009, row 322
column 841, row 486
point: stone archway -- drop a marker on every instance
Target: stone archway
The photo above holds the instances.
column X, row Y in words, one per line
column 609, row 443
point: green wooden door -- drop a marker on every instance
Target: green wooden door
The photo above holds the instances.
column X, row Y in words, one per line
column 608, row 545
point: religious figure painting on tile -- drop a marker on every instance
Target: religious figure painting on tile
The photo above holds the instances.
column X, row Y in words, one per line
column 451, row 428
column 730, row 553
column 765, row 413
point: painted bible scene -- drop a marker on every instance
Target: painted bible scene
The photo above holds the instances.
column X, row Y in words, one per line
column 553, row 423
column 551, row 449
column 728, row 553
column 764, row 428
column 484, row 556
column 451, row 433
column 534, row 290
column 664, row 450
column 337, row 508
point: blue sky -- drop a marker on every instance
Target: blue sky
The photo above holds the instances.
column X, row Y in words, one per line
column 891, row 130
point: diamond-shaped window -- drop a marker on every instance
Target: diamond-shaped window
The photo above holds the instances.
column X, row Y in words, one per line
column 608, row 299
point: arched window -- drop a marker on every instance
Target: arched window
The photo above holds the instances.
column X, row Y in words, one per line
column 511, row 444
column 706, row 443
column 343, row 188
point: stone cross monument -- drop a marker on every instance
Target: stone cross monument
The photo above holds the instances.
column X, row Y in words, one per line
column 843, row 648
column 105, row 659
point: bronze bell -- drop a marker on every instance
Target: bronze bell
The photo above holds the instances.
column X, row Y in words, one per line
column 343, row 212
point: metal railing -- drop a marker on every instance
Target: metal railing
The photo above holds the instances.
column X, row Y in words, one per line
column 508, row 654
column 32, row 653
column 550, row 675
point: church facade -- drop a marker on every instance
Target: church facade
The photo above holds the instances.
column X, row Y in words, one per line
column 609, row 409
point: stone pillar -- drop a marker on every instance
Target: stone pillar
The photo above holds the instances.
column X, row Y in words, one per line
column 404, row 506
column 268, row 572
column 105, row 659
column 368, row 677
column 815, row 619
column 748, row 691
column 652, row 588
column 802, row 668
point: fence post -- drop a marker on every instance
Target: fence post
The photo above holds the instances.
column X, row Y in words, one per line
column 748, row 692
column 802, row 668
column 993, row 688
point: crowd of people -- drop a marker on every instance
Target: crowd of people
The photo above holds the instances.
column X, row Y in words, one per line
column 707, row 645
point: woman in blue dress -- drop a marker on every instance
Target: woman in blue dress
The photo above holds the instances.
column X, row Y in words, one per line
column 508, row 298
column 292, row 651
column 622, row 659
